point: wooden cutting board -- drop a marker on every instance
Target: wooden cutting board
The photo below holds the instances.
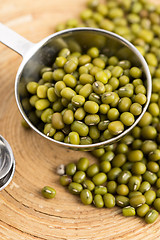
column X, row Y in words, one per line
column 24, row 213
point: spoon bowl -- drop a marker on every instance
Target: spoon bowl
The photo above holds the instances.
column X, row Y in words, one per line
column 5, row 160
column 36, row 56
column 7, row 163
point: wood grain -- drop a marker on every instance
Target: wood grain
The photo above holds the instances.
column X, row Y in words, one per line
column 24, row 213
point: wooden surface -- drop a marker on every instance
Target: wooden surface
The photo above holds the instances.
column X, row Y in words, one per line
column 24, row 213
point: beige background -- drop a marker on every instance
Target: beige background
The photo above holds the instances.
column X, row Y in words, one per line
column 24, row 214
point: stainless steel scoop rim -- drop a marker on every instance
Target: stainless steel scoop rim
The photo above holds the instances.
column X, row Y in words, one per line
column 12, row 170
column 6, row 160
column 10, row 176
column 88, row 147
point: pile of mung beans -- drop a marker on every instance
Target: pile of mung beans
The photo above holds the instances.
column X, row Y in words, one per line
column 116, row 181
column 128, row 172
column 87, row 98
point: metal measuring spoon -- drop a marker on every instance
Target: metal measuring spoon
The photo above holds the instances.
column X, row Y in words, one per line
column 7, row 163
column 7, row 179
column 35, row 56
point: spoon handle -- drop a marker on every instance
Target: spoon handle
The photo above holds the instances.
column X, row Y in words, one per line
column 14, row 41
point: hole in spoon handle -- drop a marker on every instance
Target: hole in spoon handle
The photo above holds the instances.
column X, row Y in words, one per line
column 14, row 41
